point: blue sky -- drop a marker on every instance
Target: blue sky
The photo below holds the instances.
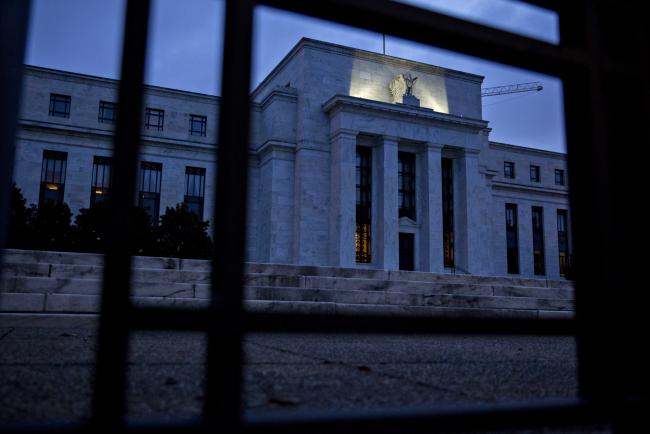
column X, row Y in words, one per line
column 185, row 51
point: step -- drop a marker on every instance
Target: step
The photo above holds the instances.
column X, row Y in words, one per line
column 77, row 303
column 203, row 266
column 404, row 299
column 20, row 284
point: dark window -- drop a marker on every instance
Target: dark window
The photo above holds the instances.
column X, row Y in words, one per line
column 107, row 112
column 198, row 125
column 150, row 181
column 363, row 200
column 195, row 189
column 101, row 179
column 563, row 241
column 448, row 211
column 406, row 184
column 406, row 248
column 538, row 241
column 559, row 177
column 508, row 169
column 59, row 105
column 512, row 238
column 534, row 173
column 154, row 119
column 53, row 171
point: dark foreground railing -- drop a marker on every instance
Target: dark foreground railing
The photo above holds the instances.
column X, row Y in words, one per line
column 604, row 63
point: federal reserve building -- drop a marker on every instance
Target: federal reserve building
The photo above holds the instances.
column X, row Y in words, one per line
column 356, row 160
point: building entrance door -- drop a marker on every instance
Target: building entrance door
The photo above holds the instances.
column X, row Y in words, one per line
column 406, row 251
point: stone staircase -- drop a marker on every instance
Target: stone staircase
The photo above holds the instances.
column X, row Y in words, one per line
column 61, row 282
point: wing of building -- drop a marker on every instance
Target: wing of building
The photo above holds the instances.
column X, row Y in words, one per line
column 357, row 159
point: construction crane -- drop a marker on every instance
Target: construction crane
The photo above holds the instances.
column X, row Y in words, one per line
column 512, row 88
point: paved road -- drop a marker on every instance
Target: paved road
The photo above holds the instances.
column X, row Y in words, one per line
column 46, row 371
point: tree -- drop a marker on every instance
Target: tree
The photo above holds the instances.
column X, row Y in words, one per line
column 182, row 234
column 20, row 236
column 50, row 226
column 91, row 231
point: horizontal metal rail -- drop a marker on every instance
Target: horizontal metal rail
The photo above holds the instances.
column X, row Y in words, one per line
column 255, row 322
column 414, row 420
column 443, row 31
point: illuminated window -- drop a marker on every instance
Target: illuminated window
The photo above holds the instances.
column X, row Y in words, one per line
column 559, row 177
column 101, row 179
column 363, row 199
column 154, row 119
column 509, row 169
column 563, row 241
column 107, row 112
column 406, row 184
column 195, row 189
column 198, row 125
column 150, row 181
column 60, row 105
column 53, row 171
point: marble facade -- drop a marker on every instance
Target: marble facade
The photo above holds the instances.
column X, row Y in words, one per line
column 308, row 117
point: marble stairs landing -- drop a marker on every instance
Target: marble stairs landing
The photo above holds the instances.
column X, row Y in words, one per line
column 62, row 282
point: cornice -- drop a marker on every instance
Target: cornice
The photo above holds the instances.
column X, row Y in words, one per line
column 338, row 102
column 498, row 185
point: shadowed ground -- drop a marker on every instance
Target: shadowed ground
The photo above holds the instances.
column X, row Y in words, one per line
column 46, row 371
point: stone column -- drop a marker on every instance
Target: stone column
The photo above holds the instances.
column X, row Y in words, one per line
column 342, row 198
column 385, row 198
column 476, row 216
column 429, row 206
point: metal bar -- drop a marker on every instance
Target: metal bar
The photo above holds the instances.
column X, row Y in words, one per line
column 109, row 394
column 14, row 16
column 456, row 418
column 451, row 418
column 223, row 389
column 436, row 29
column 142, row 318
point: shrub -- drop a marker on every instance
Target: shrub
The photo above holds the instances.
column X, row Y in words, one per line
column 50, row 226
column 182, row 234
column 20, row 236
column 92, row 226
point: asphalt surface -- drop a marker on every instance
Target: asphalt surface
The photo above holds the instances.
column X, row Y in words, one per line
column 46, row 371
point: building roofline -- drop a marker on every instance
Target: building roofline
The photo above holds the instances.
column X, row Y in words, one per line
column 114, row 82
column 368, row 55
column 509, row 147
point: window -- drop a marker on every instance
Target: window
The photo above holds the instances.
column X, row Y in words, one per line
column 559, row 177
column 53, row 171
column 538, row 241
column 59, row 105
column 101, row 179
column 406, row 184
column 448, row 212
column 534, row 173
column 195, row 189
column 363, row 199
column 563, row 241
column 512, row 238
column 107, row 112
column 154, row 119
column 197, row 125
column 150, row 181
column 509, row 169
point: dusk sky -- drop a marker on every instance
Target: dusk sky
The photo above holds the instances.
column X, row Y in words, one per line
column 185, row 51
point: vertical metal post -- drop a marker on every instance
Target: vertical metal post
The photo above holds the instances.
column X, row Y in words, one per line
column 14, row 18
column 109, row 398
column 223, row 397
